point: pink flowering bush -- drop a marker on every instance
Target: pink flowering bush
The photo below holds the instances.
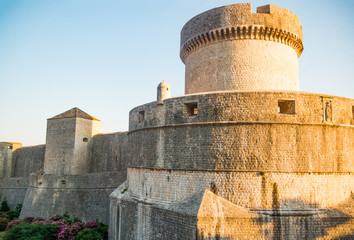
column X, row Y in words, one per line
column 28, row 219
column 91, row 224
column 38, row 220
column 62, row 228
column 58, row 222
column 56, row 217
column 13, row 223
column 68, row 231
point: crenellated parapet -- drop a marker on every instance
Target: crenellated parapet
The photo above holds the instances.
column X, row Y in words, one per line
column 231, row 48
column 237, row 22
column 255, row 32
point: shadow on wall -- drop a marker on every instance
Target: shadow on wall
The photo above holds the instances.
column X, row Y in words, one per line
column 220, row 219
column 27, row 160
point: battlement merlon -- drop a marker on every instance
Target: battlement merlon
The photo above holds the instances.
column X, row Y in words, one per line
column 234, row 22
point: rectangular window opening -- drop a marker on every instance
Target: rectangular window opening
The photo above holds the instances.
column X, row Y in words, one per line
column 192, row 108
column 286, row 106
column 353, row 112
column 141, row 116
column 118, row 222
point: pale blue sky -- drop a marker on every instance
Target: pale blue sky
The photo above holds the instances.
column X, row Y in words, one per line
column 107, row 56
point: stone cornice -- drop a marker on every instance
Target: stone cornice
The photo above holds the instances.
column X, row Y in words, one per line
column 220, row 123
column 252, row 32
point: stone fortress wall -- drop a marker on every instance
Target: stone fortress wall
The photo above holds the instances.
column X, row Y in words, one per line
column 27, row 160
column 18, row 164
column 290, row 151
column 83, row 195
column 243, row 155
column 6, row 152
column 244, row 131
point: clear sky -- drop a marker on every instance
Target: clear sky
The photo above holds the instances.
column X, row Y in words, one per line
column 108, row 56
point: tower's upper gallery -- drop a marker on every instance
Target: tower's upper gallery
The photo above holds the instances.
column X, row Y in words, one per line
column 232, row 49
column 237, row 21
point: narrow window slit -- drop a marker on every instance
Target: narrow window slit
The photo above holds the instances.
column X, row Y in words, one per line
column 141, row 116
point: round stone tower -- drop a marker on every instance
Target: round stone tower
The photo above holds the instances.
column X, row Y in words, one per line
column 231, row 48
column 251, row 157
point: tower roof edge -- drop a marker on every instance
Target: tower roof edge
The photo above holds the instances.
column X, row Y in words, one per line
column 74, row 113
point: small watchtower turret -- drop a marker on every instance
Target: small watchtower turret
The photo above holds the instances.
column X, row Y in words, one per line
column 67, row 142
column 163, row 91
column 231, row 48
column 6, row 152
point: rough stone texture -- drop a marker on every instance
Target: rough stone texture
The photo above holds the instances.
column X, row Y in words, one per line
column 163, row 92
column 206, row 215
column 83, row 196
column 231, row 48
column 6, row 153
column 72, row 148
column 14, row 190
column 250, row 106
column 236, row 158
column 67, row 144
column 16, row 169
column 108, row 152
column 240, row 14
column 27, row 160
column 244, row 131
column 282, row 160
column 224, row 164
column 246, row 189
column 250, row 65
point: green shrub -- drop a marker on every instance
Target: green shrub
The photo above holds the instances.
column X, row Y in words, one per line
column 13, row 223
column 88, row 234
column 11, row 215
column 3, row 215
column 3, row 224
column 26, row 231
column 28, row 219
column 66, row 217
column 4, row 206
column 18, row 208
column 103, row 230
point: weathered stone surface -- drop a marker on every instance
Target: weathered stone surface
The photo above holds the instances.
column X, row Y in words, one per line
column 108, row 152
column 231, row 48
column 68, row 174
column 14, row 190
column 83, row 196
column 6, row 154
column 17, row 164
column 240, row 156
column 216, row 218
column 247, row 189
column 244, row 131
column 27, row 160
column 67, row 144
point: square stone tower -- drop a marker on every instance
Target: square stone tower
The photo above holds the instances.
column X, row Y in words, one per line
column 67, row 142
